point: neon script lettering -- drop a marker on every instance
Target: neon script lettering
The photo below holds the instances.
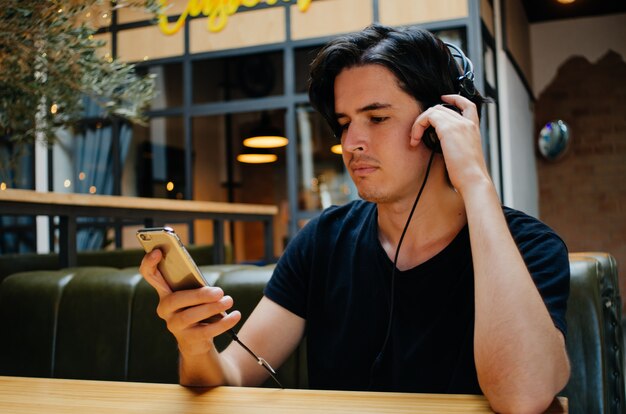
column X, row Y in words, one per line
column 217, row 12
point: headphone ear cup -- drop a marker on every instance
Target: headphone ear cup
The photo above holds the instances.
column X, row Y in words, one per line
column 466, row 87
column 431, row 140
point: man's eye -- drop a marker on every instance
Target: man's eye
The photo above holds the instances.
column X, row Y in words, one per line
column 378, row 119
column 345, row 126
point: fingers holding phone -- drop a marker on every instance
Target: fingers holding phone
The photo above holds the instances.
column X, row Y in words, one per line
column 193, row 310
column 187, row 308
column 197, row 316
column 150, row 271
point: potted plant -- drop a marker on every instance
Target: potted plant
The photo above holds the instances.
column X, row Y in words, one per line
column 49, row 64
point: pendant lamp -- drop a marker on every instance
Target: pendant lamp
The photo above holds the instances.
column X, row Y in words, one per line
column 256, row 156
column 265, row 135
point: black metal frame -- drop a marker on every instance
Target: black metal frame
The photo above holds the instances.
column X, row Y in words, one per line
column 290, row 99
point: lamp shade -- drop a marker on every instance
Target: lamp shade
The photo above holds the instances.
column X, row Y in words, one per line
column 336, row 149
column 265, row 141
column 256, row 156
column 265, row 135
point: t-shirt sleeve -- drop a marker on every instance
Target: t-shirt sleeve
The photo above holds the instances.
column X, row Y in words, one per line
column 546, row 258
column 289, row 283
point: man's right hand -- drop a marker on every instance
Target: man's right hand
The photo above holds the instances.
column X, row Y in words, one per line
column 185, row 311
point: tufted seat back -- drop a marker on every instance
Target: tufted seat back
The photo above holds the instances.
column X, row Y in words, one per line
column 100, row 323
column 595, row 340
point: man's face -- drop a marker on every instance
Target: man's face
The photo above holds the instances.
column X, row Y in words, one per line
column 376, row 118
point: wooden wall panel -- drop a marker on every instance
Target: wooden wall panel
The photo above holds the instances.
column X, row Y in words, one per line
column 243, row 29
column 148, row 43
column 330, row 17
column 405, row 12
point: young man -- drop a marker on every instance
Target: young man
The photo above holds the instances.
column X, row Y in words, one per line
column 469, row 298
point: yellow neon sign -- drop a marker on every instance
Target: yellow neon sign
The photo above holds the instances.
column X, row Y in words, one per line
column 217, row 12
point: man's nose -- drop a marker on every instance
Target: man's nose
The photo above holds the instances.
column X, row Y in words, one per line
column 354, row 139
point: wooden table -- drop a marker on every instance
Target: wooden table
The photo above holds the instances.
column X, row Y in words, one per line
column 69, row 206
column 43, row 395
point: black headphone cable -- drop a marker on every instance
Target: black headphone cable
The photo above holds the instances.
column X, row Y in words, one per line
column 379, row 357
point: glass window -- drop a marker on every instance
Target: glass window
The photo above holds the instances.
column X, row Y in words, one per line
column 457, row 37
column 241, row 77
column 323, row 180
column 155, row 164
column 169, row 84
column 210, row 166
column 83, row 158
column 260, row 183
column 220, row 176
column 303, row 58
column 489, row 60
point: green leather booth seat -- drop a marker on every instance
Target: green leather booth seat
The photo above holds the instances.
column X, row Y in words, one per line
column 101, row 323
column 595, row 342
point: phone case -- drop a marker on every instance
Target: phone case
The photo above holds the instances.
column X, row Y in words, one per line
column 177, row 267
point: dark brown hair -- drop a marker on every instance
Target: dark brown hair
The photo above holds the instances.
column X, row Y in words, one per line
column 421, row 62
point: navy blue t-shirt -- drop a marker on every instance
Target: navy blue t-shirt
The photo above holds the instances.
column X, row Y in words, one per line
column 336, row 275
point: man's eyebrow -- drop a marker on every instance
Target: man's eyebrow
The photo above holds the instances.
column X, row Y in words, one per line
column 371, row 107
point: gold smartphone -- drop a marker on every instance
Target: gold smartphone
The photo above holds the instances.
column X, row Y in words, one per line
column 177, row 267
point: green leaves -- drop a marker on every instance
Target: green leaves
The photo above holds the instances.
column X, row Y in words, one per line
column 49, row 61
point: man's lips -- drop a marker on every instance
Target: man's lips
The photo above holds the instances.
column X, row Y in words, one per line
column 362, row 169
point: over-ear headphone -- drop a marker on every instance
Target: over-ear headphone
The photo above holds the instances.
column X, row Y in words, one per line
column 466, row 81
column 466, row 89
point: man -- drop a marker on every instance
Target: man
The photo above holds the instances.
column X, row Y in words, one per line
column 457, row 309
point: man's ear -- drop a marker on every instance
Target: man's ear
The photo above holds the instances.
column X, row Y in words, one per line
column 417, row 132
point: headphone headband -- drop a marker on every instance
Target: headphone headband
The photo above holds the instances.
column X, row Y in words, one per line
column 466, row 81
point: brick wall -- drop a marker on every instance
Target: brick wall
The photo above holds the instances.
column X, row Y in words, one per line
column 583, row 195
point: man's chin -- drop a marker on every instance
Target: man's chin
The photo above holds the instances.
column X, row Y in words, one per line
column 372, row 196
